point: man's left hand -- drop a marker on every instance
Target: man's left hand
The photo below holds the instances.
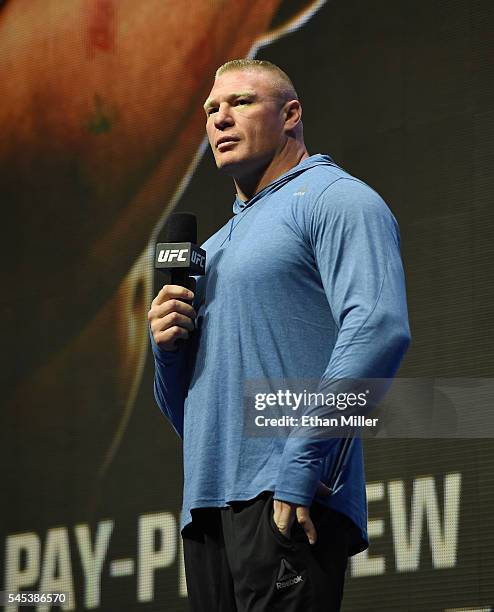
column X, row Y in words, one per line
column 286, row 512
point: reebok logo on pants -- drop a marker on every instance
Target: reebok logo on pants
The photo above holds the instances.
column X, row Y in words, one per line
column 287, row 576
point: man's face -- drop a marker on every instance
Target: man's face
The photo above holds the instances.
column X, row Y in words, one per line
column 244, row 121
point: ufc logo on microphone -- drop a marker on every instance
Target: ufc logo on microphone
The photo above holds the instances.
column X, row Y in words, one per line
column 171, row 254
column 198, row 259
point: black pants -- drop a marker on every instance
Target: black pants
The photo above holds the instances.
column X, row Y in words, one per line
column 236, row 560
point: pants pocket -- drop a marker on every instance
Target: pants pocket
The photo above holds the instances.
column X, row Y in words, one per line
column 280, row 537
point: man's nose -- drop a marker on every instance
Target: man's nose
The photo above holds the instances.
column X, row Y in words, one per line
column 223, row 117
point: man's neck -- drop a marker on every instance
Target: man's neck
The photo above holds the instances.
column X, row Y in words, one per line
column 286, row 159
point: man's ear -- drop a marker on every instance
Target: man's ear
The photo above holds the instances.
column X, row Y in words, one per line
column 293, row 114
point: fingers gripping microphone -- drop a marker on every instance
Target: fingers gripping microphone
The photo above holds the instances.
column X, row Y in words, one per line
column 176, row 251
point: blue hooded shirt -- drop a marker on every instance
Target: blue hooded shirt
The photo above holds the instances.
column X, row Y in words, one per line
column 304, row 282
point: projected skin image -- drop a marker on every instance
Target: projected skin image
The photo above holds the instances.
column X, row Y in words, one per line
column 102, row 121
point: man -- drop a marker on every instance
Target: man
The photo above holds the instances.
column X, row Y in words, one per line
column 304, row 282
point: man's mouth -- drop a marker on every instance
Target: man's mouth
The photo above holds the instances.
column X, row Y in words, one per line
column 226, row 141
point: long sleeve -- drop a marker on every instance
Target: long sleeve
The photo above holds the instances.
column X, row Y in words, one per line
column 169, row 384
column 355, row 241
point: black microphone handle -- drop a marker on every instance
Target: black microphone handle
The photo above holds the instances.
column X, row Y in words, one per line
column 175, row 276
column 181, row 277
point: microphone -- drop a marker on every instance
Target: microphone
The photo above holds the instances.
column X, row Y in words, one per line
column 177, row 253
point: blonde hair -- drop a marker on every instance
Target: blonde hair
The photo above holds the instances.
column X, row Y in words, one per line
column 282, row 83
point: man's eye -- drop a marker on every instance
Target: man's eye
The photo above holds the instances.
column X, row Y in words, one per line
column 243, row 101
column 211, row 110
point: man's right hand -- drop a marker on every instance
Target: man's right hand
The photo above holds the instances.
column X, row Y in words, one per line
column 170, row 317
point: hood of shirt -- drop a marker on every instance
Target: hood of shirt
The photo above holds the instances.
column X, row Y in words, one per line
column 306, row 164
